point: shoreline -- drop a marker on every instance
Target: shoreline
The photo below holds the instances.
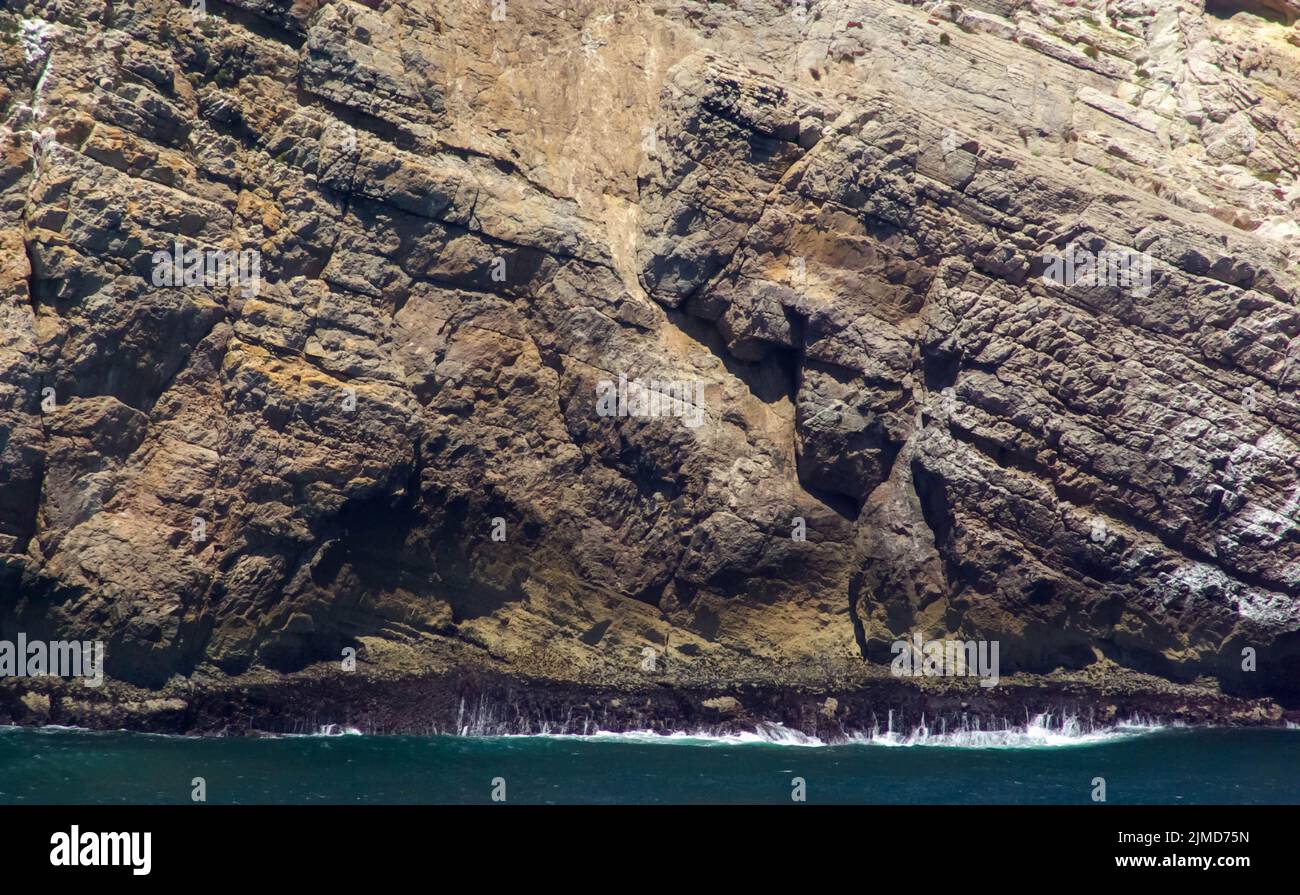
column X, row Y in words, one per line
column 1024, row 736
column 474, row 701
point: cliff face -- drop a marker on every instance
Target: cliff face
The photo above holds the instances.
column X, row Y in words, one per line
column 826, row 230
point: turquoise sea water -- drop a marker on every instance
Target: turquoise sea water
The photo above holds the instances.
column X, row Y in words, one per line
column 1171, row 766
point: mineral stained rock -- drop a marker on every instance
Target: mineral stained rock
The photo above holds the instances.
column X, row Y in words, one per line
column 804, row 249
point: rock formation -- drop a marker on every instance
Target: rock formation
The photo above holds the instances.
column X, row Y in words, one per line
column 802, row 249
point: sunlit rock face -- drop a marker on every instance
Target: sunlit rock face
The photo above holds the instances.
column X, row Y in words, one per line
column 684, row 342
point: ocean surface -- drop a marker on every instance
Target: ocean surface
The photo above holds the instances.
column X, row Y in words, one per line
column 1036, row 764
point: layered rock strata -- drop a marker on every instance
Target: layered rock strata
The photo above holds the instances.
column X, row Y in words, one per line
column 605, row 360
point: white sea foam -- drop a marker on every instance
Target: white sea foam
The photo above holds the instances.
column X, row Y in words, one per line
column 47, row 728
column 1038, row 732
column 337, row 730
column 324, row 730
column 1045, row 730
column 769, row 734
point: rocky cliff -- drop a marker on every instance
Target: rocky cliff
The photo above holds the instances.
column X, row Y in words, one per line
column 650, row 363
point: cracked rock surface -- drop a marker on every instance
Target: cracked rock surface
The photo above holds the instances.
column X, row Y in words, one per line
column 830, row 220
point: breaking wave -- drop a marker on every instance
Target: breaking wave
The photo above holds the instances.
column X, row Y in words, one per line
column 1040, row 731
column 1037, row 732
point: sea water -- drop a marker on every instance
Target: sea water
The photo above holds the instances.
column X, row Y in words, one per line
column 1046, row 761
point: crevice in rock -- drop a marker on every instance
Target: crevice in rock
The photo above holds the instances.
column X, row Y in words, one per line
column 1270, row 11
column 939, row 369
column 386, row 131
column 30, row 529
column 936, row 511
column 263, row 27
column 859, row 632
